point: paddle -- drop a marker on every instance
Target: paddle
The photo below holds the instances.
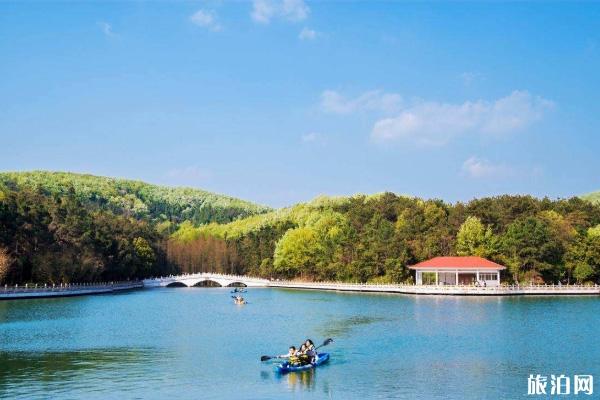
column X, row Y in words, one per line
column 325, row 343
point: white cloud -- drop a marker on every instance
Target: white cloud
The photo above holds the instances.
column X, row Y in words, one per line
column 310, row 137
column 206, row 19
column 295, row 10
column 314, row 138
column 475, row 167
column 307, row 34
column 374, row 100
column 433, row 123
column 106, row 28
column 263, row 11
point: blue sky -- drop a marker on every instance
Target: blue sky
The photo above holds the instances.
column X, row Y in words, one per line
column 280, row 101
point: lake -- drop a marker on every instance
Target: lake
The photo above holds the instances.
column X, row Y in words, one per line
column 194, row 343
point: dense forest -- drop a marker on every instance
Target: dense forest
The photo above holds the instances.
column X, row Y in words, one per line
column 63, row 227
column 60, row 227
column 156, row 204
column 374, row 239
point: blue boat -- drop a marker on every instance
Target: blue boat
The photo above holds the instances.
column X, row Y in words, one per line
column 285, row 367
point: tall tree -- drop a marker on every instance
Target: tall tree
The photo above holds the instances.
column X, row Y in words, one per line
column 529, row 250
column 474, row 239
column 5, row 262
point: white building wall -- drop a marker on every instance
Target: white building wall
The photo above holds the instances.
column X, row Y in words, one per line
column 480, row 275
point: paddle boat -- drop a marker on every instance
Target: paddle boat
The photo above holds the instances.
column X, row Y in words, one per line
column 286, row 367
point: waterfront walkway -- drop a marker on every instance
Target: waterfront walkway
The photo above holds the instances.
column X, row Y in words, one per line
column 28, row 292
column 33, row 292
column 459, row 290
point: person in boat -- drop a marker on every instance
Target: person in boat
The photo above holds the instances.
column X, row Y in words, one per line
column 239, row 300
column 292, row 356
column 310, row 350
column 303, row 357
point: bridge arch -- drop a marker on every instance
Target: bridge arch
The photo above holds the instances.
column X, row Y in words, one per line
column 207, row 283
column 237, row 284
column 177, row 284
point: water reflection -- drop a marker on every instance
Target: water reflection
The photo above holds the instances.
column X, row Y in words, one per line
column 193, row 344
column 313, row 382
column 35, row 309
column 20, row 368
column 304, row 380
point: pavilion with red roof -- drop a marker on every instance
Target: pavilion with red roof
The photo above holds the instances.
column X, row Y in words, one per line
column 458, row 271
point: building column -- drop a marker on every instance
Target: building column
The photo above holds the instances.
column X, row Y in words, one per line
column 477, row 275
column 419, row 278
column 456, row 281
column 437, row 280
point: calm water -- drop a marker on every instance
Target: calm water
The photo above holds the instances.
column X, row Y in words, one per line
column 194, row 343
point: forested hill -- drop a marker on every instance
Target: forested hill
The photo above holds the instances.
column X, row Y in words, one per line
column 63, row 227
column 594, row 197
column 135, row 198
column 375, row 238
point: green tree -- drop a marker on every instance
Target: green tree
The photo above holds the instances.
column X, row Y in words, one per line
column 296, row 252
column 5, row 262
column 575, row 256
column 474, row 239
column 145, row 256
column 529, row 250
column 583, row 272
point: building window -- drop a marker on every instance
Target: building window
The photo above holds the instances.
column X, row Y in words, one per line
column 428, row 278
column 488, row 277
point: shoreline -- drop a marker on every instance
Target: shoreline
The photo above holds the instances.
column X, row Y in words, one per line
column 194, row 279
column 426, row 290
column 22, row 293
column 189, row 280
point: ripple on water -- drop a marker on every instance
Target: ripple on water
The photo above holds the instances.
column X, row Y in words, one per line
column 340, row 327
column 193, row 343
column 21, row 372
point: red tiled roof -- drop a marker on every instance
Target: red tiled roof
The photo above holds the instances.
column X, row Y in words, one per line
column 458, row 262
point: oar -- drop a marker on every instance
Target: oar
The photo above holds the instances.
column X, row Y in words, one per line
column 325, row 343
column 265, row 358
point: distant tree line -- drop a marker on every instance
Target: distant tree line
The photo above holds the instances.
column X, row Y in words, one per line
column 162, row 205
column 56, row 239
column 58, row 227
column 376, row 238
column 63, row 227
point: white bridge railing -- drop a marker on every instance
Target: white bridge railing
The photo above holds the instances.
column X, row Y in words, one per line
column 208, row 275
column 63, row 287
column 37, row 290
column 191, row 279
column 224, row 280
column 442, row 289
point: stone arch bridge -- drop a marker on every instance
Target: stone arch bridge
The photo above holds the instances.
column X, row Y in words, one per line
column 197, row 279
